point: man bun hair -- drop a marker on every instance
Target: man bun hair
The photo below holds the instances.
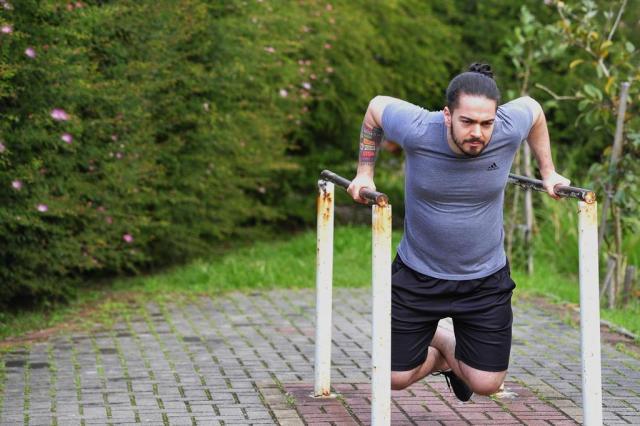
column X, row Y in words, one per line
column 477, row 81
column 484, row 69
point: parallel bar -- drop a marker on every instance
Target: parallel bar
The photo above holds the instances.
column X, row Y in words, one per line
column 324, row 276
column 581, row 194
column 381, row 316
column 373, row 196
column 590, row 313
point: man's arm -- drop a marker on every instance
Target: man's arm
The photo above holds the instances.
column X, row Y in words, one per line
column 539, row 141
column 371, row 136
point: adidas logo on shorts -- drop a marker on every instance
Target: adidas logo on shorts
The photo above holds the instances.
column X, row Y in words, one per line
column 493, row 166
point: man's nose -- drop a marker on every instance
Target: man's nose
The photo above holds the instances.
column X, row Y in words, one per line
column 476, row 131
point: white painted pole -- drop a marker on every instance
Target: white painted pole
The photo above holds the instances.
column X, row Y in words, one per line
column 590, row 314
column 324, row 275
column 381, row 316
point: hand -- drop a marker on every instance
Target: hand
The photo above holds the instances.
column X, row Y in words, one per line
column 359, row 182
column 552, row 180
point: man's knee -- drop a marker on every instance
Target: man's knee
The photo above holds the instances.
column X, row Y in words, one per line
column 401, row 379
column 487, row 383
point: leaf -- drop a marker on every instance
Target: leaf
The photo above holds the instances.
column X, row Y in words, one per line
column 606, row 44
column 575, row 63
column 629, row 46
column 592, row 91
column 607, row 86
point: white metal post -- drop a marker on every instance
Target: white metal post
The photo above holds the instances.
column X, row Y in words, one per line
column 381, row 316
column 324, row 276
column 590, row 314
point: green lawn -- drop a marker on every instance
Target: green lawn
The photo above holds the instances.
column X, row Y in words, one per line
column 278, row 263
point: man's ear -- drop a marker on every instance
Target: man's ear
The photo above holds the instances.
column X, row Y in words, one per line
column 447, row 116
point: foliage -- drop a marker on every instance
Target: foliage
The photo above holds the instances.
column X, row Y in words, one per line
column 577, row 58
column 137, row 134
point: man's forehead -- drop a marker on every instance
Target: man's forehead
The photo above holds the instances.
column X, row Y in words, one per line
column 478, row 108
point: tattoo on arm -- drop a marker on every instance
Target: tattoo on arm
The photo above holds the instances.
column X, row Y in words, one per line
column 370, row 140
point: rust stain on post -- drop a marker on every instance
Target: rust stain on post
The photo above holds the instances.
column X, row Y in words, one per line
column 383, row 213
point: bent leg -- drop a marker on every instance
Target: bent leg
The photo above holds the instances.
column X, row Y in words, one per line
column 434, row 362
column 479, row 381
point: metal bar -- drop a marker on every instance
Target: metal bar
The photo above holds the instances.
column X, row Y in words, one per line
column 589, row 313
column 381, row 316
column 324, row 275
column 373, row 196
column 581, row 194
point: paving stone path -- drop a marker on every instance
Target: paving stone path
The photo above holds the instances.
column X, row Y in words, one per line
column 248, row 359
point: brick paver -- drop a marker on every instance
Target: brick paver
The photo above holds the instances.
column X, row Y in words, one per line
column 248, row 359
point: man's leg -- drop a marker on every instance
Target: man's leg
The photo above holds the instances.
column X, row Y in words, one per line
column 480, row 382
column 434, row 362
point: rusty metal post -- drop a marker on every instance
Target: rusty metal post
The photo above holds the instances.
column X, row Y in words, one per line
column 589, row 313
column 381, row 316
column 324, row 276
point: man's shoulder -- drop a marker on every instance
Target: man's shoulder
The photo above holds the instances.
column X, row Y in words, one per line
column 516, row 116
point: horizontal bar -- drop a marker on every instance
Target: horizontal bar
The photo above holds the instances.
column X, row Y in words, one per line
column 581, row 194
column 374, row 196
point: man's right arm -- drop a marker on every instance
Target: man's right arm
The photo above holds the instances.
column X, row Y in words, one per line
column 371, row 136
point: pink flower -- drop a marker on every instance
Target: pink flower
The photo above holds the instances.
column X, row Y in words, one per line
column 7, row 5
column 327, row 46
column 2, row 147
column 128, row 238
column 67, row 138
column 284, row 93
column 6, row 29
column 17, row 185
column 59, row 114
column 30, row 52
column 114, row 137
column 329, row 69
column 306, row 85
column 42, row 208
column 269, row 49
column 118, row 155
column 109, row 220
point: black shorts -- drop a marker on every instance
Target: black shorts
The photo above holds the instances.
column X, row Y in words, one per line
column 480, row 310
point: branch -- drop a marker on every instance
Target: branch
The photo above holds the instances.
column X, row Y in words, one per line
column 556, row 96
column 615, row 24
column 605, row 70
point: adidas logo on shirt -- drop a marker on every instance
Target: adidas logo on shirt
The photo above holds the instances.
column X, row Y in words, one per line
column 493, row 166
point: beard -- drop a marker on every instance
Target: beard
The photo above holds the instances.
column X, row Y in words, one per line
column 469, row 151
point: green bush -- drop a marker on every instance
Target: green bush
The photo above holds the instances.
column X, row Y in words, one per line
column 140, row 133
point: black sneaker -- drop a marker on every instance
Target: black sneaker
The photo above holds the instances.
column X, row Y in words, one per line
column 455, row 383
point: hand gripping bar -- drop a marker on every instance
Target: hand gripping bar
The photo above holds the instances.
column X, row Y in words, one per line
column 374, row 197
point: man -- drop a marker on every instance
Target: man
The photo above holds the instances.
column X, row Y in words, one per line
column 451, row 261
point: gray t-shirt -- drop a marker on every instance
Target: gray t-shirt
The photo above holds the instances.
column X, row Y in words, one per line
column 453, row 225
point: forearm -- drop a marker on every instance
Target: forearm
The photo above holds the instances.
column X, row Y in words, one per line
column 540, row 144
column 371, row 135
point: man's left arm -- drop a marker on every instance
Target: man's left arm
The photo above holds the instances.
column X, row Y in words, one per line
column 538, row 140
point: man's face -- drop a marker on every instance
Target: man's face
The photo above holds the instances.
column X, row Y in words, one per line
column 471, row 123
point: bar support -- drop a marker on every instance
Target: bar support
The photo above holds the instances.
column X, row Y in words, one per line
column 324, row 276
column 381, row 316
column 590, row 313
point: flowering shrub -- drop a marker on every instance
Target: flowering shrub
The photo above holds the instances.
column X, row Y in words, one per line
column 135, row 134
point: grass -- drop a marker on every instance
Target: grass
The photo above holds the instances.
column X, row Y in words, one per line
column 285, row 263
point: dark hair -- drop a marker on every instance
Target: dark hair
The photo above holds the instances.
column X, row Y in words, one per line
column 477, row 81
